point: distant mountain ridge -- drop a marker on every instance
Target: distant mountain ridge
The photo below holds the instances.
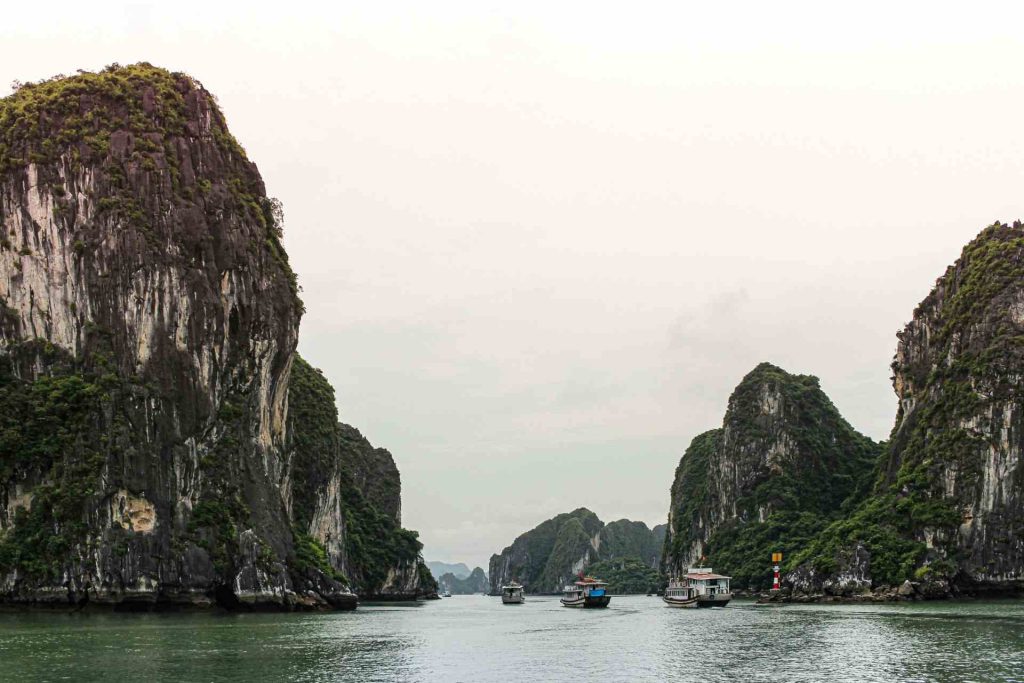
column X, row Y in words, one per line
column 439, row 569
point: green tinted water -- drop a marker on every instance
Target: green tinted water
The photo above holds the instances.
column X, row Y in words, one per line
column 473, row 638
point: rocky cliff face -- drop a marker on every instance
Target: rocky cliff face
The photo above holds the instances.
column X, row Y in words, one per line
column 948, row 507
column 148, row 319
column 779, row 468
column 959, row 435
column 552, row 554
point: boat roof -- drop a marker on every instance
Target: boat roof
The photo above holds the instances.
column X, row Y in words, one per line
column 706, row 575
column 590, row 581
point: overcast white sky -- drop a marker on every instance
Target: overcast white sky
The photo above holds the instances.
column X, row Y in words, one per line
column 541, row 242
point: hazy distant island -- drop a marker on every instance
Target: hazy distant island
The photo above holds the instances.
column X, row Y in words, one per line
column 457, row 569
column 471, row 584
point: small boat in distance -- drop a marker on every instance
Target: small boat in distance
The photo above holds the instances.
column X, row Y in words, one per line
column 701, row 587
column 512, row 594
column 587, row 592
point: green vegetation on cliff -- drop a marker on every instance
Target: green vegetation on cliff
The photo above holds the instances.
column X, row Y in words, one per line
column 50, row 426
column 625, row 538
column 882, row 526
column 77, row 115
column 572, row 546
column 628, row 576
column 822, row 460
column 691, row 495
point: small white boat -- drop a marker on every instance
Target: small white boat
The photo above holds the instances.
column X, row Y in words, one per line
column 446, row 594
column 512, row 594
column 701, row 587
column 587, row 592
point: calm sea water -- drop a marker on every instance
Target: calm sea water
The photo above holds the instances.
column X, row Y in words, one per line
column 474, row 638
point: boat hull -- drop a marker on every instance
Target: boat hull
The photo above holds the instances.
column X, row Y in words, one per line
column 591, row 602
column 700, row 601
column 511, row 599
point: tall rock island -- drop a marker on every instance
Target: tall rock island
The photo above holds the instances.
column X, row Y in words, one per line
column 946, row 514
column 160, row 444
column 550, row 555
column 775, row 474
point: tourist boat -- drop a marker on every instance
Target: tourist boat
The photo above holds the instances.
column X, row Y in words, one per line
column 701, row 587
column 512, row 594
column 587, row 592
column 446, row 593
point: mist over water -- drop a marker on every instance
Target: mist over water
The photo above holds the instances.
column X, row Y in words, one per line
column 475, row 638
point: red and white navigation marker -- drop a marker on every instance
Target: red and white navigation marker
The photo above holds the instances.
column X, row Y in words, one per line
column 776, row 558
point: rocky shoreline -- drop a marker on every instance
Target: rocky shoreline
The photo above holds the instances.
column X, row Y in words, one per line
column 908, row 591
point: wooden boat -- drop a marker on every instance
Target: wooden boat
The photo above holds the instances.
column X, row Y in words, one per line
column 587, row 592
column 700, row 587
column 512, row 594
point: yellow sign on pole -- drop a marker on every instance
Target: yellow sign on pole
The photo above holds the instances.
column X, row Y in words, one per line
column 776, row 557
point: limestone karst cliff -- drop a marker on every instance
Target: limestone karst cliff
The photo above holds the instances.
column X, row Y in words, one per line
column 148, row 322
column 548, row 556
column 776, row 472
column 947, row 510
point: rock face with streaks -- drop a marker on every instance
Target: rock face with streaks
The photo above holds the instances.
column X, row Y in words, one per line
column 148, row 322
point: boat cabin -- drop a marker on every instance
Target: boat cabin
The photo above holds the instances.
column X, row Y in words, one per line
column 512, row 590
column 586, row 587
column 698, row 582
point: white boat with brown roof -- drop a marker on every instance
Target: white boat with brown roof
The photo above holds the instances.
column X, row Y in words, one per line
column 700, row 587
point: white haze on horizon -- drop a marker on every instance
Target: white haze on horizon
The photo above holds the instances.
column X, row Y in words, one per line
column 540, row 243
